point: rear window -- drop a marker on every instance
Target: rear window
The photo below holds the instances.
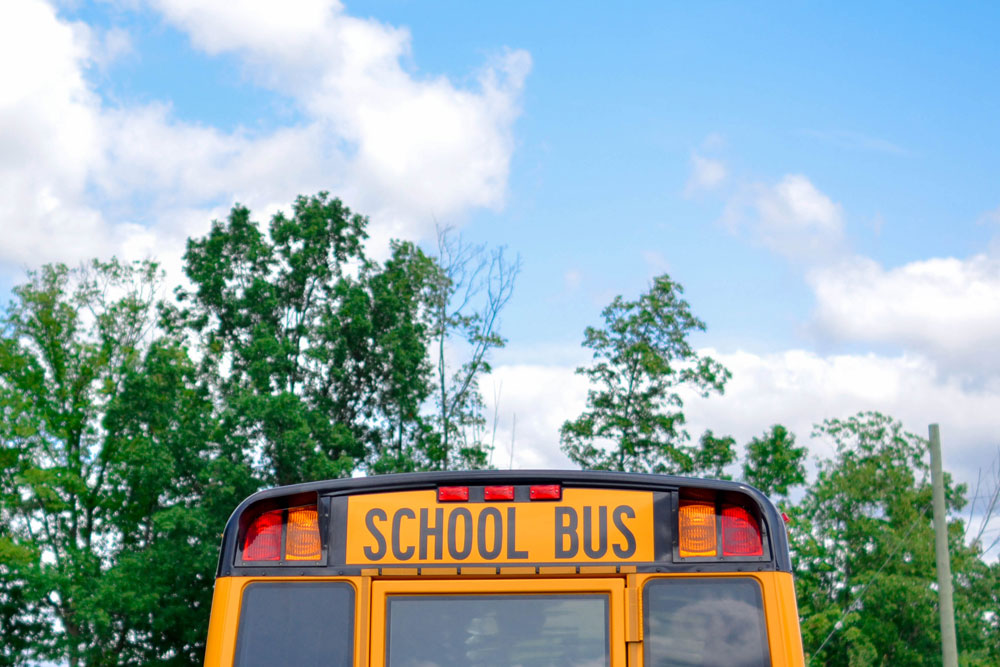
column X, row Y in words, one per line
column 301, row 624
column 498, row 630
column 705, row 623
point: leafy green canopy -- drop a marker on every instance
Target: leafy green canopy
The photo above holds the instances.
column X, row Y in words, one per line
column 131, row 428
column 318, row 353
column 861, row 536
column 863, row 551
column 773, row 463
column 111, row 490
column 642, row 357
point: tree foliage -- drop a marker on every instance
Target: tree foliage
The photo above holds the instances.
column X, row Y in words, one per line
column 773, row 463
column 713, row 454
column 284, row 330
column 861, row 536
column 319, row 354
column 130, row 428
column 863, row 548
column 105, row 436
column 642, row 358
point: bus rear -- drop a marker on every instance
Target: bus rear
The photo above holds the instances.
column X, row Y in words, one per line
column 518, row 569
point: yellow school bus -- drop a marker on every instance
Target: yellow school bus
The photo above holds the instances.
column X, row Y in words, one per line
column 505, row 569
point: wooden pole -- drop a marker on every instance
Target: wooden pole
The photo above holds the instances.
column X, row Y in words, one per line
column 949, row 644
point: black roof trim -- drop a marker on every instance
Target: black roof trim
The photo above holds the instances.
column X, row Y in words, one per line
column 568, row 478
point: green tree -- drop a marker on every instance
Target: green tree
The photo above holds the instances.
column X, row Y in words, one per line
column 713, row 455
column 642, row 357
column 863, row 550
column 23, row 630
column 122, row 455
column 283, row 328
column 318, row 354
column 107, row 524
column 402, row 327
column 773, row 463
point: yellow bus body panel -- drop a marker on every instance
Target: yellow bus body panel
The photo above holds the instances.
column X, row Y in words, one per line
column 782, row 613
column 780, row 609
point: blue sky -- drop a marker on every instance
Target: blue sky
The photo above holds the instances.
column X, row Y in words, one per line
column 821, row 177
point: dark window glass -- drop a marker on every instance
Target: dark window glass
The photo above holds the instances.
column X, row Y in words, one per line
column 704, row 622
column 301, row 624
column 498, row 631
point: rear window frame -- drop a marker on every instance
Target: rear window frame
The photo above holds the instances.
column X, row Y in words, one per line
column 603, row 597
column 244, row 630
column 713, row 581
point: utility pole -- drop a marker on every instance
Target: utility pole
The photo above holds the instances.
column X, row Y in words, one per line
column 949, row 645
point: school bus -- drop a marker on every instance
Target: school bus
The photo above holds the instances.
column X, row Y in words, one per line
column 508, row 569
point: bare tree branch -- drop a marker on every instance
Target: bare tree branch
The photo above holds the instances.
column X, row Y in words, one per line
column 475, row 286
column 991, row 504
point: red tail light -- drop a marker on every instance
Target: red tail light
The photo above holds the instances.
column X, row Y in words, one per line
column 263, row 540
column 740, row 533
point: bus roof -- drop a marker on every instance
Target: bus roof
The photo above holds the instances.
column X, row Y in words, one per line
column 331, row 497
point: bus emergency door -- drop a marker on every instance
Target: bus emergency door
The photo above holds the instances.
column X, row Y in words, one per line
column 498, row 621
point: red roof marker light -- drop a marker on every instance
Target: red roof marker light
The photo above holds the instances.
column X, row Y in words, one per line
column 453, row 493
column 545, row 492
column 498, row 493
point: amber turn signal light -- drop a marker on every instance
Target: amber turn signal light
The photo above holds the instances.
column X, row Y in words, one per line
column 302, row 541
column 697, row 529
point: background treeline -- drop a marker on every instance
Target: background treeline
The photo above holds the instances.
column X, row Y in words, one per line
column 133, row 419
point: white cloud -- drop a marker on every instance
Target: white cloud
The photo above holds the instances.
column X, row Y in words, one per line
column 291, row 35
column 165, row 162
column 49, row 137
column 797, row 204
column 795, row 209
column 946, row 308
column 109, row 46
column 798, row 389
column 535, row 400
column 795, row 388
column 792, row 217
column 706, row 174
column 416, row 145
column 81, row 179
